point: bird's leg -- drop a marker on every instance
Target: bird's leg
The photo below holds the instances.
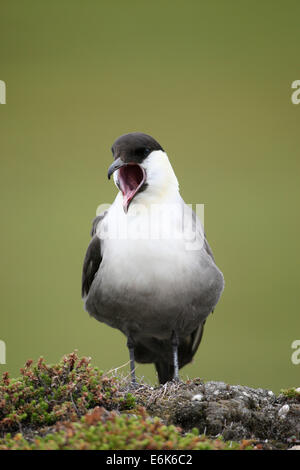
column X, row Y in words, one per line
column 130, row 346
column 175, row 343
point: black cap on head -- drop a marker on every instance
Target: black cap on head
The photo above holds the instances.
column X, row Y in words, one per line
column 134, row 147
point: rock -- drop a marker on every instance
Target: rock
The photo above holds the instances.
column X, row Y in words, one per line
column 197, row 397
column 234, row 411
column 283, row 411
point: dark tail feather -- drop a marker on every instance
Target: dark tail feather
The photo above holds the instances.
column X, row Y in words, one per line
column 165, row 372
column 188, row 346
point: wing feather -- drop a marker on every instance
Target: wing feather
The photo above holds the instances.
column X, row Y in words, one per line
column 92, row 258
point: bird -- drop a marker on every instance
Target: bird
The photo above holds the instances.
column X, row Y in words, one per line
column 149, row 270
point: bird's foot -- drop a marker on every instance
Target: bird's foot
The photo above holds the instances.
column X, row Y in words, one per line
column 176, row 379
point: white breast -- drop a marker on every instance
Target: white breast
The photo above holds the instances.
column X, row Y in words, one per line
column 149, row 246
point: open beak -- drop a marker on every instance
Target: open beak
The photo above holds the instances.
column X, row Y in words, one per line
column 131, row 178
column 118, row 163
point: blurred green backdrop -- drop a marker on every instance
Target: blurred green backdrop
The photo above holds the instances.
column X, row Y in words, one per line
column 211, row 81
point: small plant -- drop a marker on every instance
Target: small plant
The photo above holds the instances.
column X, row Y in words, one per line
column 128, row 402
column 291, row 392
column 45, row 394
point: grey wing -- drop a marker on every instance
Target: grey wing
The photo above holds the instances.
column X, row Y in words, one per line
column 208, row 248
column 209, row 251
column 189, row 345
column 92, row 258
column 91, row 265
column 206, row 244
column 199, row 332
column 95, row 223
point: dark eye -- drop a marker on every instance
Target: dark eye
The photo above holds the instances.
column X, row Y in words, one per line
column 143, row 152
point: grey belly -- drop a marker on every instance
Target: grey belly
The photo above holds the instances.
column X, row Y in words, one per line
column 157, row 309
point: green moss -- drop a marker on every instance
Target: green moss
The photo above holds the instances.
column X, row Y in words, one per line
column 103, row 430
column 291, row 392
column 128, row 402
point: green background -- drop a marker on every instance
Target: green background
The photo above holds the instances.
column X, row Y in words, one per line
column 211, row 81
